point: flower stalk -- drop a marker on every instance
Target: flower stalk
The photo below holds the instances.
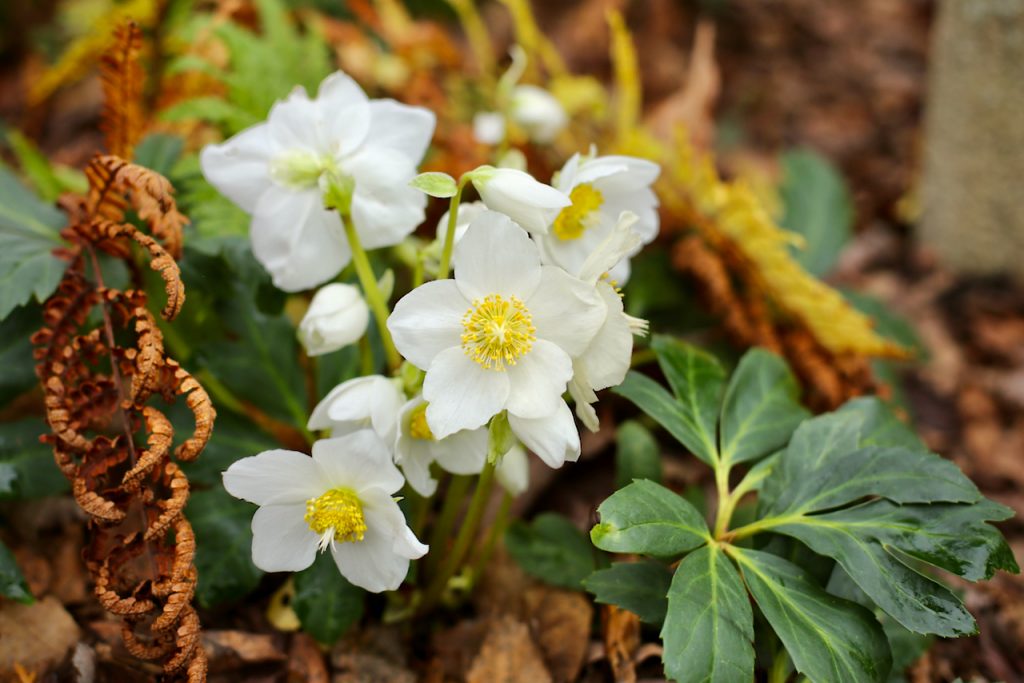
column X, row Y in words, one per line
column 449, row 237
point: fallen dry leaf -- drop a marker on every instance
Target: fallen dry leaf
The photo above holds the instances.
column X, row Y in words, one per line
column 560, row 621
column 37, row 637
column 621, row 641
column 508, row 655
column 305, row 661
column 229, row 650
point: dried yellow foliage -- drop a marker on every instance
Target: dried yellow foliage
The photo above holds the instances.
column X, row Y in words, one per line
column 81, row 55
column 627, row 79
column 732, row 211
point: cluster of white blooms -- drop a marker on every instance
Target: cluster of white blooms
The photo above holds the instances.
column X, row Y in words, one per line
column 533, row 312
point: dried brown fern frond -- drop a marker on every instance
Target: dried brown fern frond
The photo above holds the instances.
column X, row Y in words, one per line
column 121, row 74
column 100, row 385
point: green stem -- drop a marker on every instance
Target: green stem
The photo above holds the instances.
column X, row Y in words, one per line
column 373, row 296
column 761, row 525
column 496, row 531
column 726, row 503
column 454, row 497
column 449, row 235
column 779, row 672
column 466, row 535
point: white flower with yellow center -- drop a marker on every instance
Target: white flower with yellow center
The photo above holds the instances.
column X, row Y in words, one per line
column 607, row 358
column 463, row 452
column 337, row 316
column 277, row 170
column 341, row 499
column 600, row 189
column 518, row 195
column 373, row 401
column 499, row 336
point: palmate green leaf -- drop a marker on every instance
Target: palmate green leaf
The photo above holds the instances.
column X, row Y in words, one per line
column 867, row 540
column 709, row 626
column 12, row 582
column 647, row 518
column 654, row 400
column 817, row 206
column 29, row 232
column 828, row 639
column 326, row 603
column 859, row 450
column 637, row 455
column 552, row 549
column 640, row 587
column 697, row 379
column 223, row 546
column 761, row 408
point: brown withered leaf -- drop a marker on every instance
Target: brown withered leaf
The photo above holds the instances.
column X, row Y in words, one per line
column 37, row 636
column 560, row 622
column 508, row 655
column 621, row 635
column 122, row 78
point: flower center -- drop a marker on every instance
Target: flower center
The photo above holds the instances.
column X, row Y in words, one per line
column 418, row 427
column 572, row 221
column 336, row 516
column 299, row 169
column 497, row 331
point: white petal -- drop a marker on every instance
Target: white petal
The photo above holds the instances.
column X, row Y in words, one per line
column 608, row 357
column 336, row 317
column 428, row 320
column 402, row 128
column 461, row 393
column 489, row 127
column 619, row 273
column 281, row 539
column 240, row 167
column 519, row 196
column 360, row 460
column 552, row 438
column 496, row 257
column 276, row 476
column 539, row 112
column 631, row 173
column 372, row 401
column 583, row 396
column 415, row 456
column 385, row 209
column 565, row 310
column 344, row 114
column 462, row 452
column 381, row 560
column 538, row 380
column 513, row 471
column 565, row 179
column 291, row 123
column 622, row 242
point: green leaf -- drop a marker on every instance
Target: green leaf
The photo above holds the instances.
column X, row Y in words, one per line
column 637, row 455
column 223, row 546
column 35, row 166
column 435, row 184
column 870, row 541
column 817, row 206
column 159, row 152
column 325, row 602
column 551, row 549
column 647, row 518
column 654, row 400
column 860, row 450
column 697, row 379
column 27, row 469
column 16, row 359
column 640, row 587
column 761, row 408
column 709, row 627
column 828, row 639
column 29, row 233
column 12, row 582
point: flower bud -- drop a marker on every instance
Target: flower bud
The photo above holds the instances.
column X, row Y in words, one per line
column 528, row 202
column 337, row 317
column 538, row 112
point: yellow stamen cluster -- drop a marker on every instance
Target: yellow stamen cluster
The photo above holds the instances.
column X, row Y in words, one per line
column 338, row 510
column 572, row 221
column 497, row 331
column 418, row 427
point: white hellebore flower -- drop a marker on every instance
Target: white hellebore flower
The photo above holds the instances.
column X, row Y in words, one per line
column 500, row 336
column 513, row 471
column 600, row 189
column 341, row 499
column 606, row 359
column 538, row 112
column 489, row 127
column 519, row 196
column 277, row 171
column 337, row 316
column 463, row 452
column 373, row 401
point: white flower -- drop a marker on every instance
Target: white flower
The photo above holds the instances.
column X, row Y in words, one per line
column 340, row 498
column 538, row 112
column 489, row 127
column 274, row 171
column 519, row 196
column 337, row 316
column 373, row 401
column 600, row 189
column 463, row 452
column 467, row 213
column 606, row 359
column 552, row 437
column 513, row 471
column 500, row 336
